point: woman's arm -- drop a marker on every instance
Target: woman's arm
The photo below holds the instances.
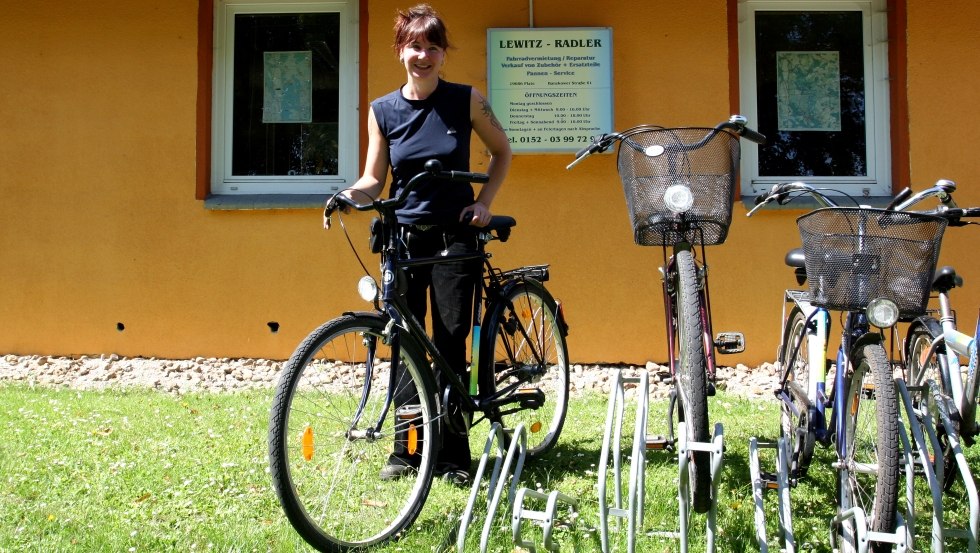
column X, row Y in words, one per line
column 490, row 131
column 372, row 181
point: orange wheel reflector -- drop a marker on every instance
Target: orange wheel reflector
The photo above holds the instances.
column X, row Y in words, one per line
column 535, row 427
column 308, row 443
column 413, row 439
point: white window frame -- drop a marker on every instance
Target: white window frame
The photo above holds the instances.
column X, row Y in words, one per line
column 222, row 181
column 877, row 128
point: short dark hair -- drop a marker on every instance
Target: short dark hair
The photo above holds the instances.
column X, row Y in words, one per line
column 420, row 21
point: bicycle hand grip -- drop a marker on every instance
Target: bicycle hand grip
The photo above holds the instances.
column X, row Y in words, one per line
column 899, row 198
column 466, row 176
column 752, row 135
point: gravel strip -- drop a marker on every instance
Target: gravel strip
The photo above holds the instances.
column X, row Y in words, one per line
column 228, row 374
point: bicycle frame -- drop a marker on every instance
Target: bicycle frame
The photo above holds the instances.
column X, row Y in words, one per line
column 948, row 348
column 856, row 332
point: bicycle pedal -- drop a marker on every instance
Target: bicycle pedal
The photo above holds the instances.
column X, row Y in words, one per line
column 730, row 342
column 769, row 480
column 658, row 443
column 529, row 398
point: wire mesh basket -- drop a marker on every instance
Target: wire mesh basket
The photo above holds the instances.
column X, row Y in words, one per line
column 653, row 159
column 854, row 255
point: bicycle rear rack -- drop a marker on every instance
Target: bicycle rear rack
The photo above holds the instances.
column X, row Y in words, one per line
column 931, row 461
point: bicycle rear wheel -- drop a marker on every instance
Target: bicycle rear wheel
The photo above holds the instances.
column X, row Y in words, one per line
column 526, row 358
column 326, row 449
column 691, row 377
column 795, row 416
column 917, row 342
column 868, row 477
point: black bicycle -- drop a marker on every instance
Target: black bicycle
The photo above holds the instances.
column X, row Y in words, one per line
column 363, row 385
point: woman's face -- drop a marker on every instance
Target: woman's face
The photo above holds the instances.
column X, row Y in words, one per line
column 422, row 59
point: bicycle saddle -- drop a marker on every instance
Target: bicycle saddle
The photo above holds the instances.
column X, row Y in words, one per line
column 946, row 279
column 795, row 258
column 501, row 224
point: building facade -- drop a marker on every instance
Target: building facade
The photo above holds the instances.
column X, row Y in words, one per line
column 162, row 196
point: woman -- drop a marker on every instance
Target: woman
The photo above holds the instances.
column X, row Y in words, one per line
column 430, row 118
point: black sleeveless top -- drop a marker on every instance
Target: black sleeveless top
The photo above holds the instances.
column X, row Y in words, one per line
column 437, row 127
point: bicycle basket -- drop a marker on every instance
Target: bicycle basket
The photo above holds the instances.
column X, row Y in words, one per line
column 653, row 159
column 854, row 255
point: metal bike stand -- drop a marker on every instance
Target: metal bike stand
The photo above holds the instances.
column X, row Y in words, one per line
column 760, row 485
column 545, row 518
column 504, row 467
column 933, row 467
column 716, row 447
column 611, row 441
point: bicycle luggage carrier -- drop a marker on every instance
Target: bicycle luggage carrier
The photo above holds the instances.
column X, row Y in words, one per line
column 854, row 255
column 651, row 159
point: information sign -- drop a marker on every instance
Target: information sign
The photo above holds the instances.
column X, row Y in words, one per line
column 551, row 88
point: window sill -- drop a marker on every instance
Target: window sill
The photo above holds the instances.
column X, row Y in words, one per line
column 244, row 202
column 807, row 203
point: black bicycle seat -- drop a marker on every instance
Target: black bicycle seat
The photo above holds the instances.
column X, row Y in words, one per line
column 501, row 224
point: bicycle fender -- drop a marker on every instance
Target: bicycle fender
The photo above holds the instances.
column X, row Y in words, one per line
column 865, row 340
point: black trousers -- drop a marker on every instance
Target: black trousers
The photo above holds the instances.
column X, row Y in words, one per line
column 448, row 289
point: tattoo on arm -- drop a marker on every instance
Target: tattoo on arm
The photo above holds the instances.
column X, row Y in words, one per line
column 488, row 111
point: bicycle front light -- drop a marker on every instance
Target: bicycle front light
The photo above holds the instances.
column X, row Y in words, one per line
column 882, row 312
column 367, row 288
column 678, row 198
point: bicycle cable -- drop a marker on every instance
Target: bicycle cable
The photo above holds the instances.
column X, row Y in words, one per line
column 340, row 217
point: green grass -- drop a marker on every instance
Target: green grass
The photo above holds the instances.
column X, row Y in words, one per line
column 148, row 471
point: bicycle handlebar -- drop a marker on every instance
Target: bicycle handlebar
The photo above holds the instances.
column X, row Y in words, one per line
column 433, row 170
column 943, row 189
column 602, row 142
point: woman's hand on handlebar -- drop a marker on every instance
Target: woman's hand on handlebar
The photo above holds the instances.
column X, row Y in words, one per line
column 341, row 200
column 477, row 215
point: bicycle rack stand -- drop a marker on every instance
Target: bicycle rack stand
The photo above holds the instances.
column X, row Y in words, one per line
column 925, row 436
column 760, row 485
column 611, row 447
column 504, row 468
column 545, row 518
column 716, row 447
column 862, row 537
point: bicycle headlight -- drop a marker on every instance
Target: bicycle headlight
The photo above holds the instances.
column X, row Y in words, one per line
column 882, row 312
column 678, row 198
column 367, row 288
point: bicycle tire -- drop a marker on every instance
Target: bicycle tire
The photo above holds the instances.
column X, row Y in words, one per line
column 917, row 341
column 691, row 378
column 871, row 434
column 794, row 419
column 328, row 484
column 524, row 349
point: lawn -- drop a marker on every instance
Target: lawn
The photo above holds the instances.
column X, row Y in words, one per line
column 140, row 470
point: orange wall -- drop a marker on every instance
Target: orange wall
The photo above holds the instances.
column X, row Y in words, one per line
column 97, row 173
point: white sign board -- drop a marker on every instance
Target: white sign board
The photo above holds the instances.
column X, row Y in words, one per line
column 551, row 88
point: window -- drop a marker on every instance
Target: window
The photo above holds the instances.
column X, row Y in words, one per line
column 814, row 80
column 285, row 97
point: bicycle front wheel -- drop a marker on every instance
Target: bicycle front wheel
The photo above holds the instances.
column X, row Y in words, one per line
column 794, row 417
column 868, row 477
column 526, row 362
column 342, row 408
column 691, row 377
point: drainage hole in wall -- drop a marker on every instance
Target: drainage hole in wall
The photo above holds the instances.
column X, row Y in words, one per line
column 120, row 327
column 273, row 326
